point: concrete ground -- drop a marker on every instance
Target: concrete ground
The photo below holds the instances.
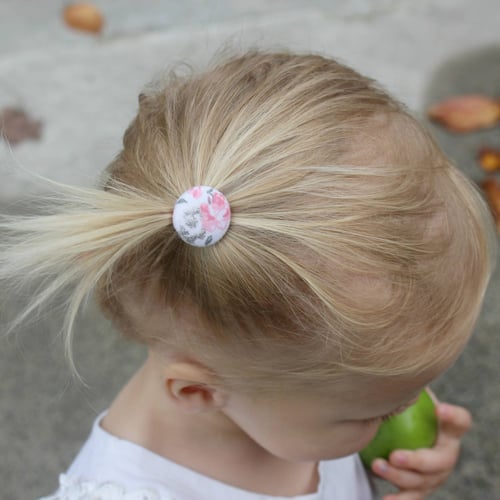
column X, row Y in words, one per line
column 83, row 89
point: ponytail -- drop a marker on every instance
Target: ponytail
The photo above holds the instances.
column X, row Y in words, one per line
column 76, row 246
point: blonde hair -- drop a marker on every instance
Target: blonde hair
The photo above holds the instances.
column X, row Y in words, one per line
column 354, row 247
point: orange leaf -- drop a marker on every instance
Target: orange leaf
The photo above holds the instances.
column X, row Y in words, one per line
column 492, row 190
column 84, row 16
column 489, row 159
column 466, row 113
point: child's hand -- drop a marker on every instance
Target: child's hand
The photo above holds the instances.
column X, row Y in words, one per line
column 418, row 473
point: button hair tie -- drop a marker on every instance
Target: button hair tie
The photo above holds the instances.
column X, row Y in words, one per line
column 201, row 216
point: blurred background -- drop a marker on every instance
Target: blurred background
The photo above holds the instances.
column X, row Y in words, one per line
column 66, row 97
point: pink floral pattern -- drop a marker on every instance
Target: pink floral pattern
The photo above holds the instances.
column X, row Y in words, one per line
column 201, row 216
column 196, row 192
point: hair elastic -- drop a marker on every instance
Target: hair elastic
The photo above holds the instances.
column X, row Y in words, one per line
column 201, row 216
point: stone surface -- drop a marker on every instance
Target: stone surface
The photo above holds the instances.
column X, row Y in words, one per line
column 84, row 89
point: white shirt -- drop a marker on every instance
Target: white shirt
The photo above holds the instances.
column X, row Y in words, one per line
column 109, row 468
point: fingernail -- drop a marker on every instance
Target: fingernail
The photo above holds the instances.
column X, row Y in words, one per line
column 443, row 410
column 380, row 466
column 400, row 458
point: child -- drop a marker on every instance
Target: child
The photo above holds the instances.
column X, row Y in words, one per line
column 300, row 259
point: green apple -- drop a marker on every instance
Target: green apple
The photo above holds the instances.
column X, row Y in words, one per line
column 416, row 427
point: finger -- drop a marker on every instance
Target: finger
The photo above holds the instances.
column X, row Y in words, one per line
column 405, row 495
column 427, row 460
column 454, row 421
column 403, row 478
column 432, row 395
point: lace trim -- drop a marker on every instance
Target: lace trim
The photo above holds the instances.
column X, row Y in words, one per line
column 74, row 488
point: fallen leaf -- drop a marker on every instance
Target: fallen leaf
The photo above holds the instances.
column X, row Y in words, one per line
column 492, row 190
column 489, row 159
column 17, row 126
column 84, row 16
column 466, row 113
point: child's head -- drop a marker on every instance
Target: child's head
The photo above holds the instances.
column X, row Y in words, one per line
column 354, row 246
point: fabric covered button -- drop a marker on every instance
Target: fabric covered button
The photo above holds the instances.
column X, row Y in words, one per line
column 201, row 216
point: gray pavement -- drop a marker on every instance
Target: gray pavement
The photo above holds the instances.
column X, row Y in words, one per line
column 84, row 89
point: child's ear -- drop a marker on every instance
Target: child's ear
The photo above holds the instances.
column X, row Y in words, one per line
column 189, row 386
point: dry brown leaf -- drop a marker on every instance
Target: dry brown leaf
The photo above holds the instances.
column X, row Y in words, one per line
column 466, row 113
column 17, row 126
column 492, row 190
column 489, row 159
column 84, row 16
